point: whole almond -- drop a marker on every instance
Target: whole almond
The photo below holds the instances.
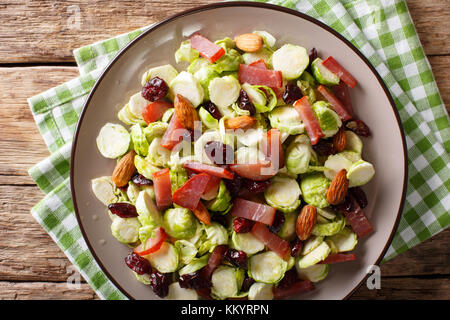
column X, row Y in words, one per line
column 241, row 122
column 124, row 169
column 185, row 111
column 306, row 221
column 340, row 140
column 338, row 188
column 249, row 42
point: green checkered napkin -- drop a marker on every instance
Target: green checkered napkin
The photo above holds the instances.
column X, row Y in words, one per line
column 382, row 30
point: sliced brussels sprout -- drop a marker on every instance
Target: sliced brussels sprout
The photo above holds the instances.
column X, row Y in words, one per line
column 283, row 194
column 189, row 87
column 126, row 230
column 291, row 60
column 230, row 61
column 144, row 278
column 315, row 256
column 314, row 273
column 307, row 90
column 129, row 118
column 321, row 219
column 140, row 143
column 187, row 250
column 149, row 214
column 178, row 293
column 329, row 121
column 216, row 235
column 157, row 154
column 345, row 240
column 269, row 40
column 137, row 104
column 246, row 242
column 332, row 246
column 167, row 116
column 353, row 143
column 336, row 163
column 226, row 282
column 314, row 188
column 166, row 259
column 250, row 137
column 290, row 263
column 226, row 43
column 104, row 190
column 200, row 234
column 113, row 140
column 264, row 54
column 155, row 130
column 177, row 178
column 306, row 76
column 197, row 64
column 351, row 155
column 133, row 192
column 287, row 231
column 267, row 267
column 330, row 228
column 179, row 223
column 165, row 72
column 360, row 173
column 262, row 97
column 204, row 76
column 222, row 203
column 186, row 52
column 245, row 155
column 144, row 167
column 298, row 155
column 260, row 291
column 195, row 265
column 207, row 119
column 239, row 111
column 322, row 74
column 310, row 244
column 224, row 91
column 327, row 213
column 287, row 119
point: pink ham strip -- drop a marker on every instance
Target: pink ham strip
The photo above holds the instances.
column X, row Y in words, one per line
column 259, row 76
column 309, row 119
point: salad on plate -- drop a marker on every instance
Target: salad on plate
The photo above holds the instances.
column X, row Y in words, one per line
column 239, row 171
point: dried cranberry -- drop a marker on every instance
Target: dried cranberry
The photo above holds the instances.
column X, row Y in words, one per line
column 124, row 188
column 323, row 148
column 256, row 186
column 234, row 186
column 242, row 225
column 360, row 196
column 296, row 247
column 291, row 93
column 312, row 55
column 345, row 206
column 222, row 219
column 137, row 263
column 247, row 283
column 245, row 103
column 194, row 280
column 140, row 180
column 236, row 257
column 358, row 127
column 219, row 153
column 278, row 222
column 123, row 209
column 290, row 277
column 213, row 110
column 155, row 89
column 159, row 283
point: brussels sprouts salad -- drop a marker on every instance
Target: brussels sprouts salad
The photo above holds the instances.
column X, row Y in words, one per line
column 239, row 171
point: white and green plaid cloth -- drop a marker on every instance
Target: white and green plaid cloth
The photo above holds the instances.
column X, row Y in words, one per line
column 381, row 29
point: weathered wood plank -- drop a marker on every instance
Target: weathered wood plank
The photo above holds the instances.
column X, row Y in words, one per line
column 47, row 30
column 441, row 70
column 45, row 291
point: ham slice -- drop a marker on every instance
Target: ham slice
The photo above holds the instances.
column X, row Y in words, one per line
column 296, row 288
column 337, row 105
column 189, row 194
column 212, row 170
column 253, row 211
column 272, row 149
column 155, row 110
column 162, row 187
column 271, row 240
column 331, row 64
column 259, row 171
column 173, row 134
column 258, row 76
column 309, row 119
column 342, row 93
column 357, row 220
column 260, row 64
column 207, row 49
column 338, row 257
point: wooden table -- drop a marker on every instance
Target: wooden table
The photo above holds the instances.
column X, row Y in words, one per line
column 36, row 45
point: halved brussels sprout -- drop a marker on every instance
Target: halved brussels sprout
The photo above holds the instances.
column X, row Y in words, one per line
column 187, row 250
column 246, row 242
column 126, row 230
column 129, row 118
column 230, row 61
column 327, row 213
column 360, row 173
column 166, row 259
column 104, row 190
column 195, row 265
column 264, row 54
column 353, row 143
column 332, row 246
column 177, row 178
column 269, row 40
column 137, row 104
column 157, row 154
column 267, row 267
column 226, row 43
column 298, row 155
column 204, row 76
column 197, row 64
column 155, row 130
column 287, row 231
column 330, row 228
column 287, row 119
column 144, row 167
column 189, row 87
column 133, row 192
column 291, row 60
column 339, row 161
column 310, row 244
column 224, row 91
column 260, row 291
column 144, row 278
column 207, row 119
column 322, row 74
column 178, row 293
column 226, row 282
column 290, row 263
column 263, row 98
column 216, row 235
column 149, row 214
column 345, row 240
column 179, row 223
column 222, row 203
column 314, row 188
column 113, row 140
column 140, row 143
column 165, row 72
column 186, row 52
column 329, row 121
column 315, row 256
column 239, row 111
column 307, row 90
column 283, row 194
column 244, row 155
column 314, row 273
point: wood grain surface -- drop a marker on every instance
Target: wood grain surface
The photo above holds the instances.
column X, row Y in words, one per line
column 36, row 43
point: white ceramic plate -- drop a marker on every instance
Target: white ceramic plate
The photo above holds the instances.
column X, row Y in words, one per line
column 371, row 100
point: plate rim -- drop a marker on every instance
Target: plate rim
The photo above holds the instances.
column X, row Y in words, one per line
column 224, row 5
